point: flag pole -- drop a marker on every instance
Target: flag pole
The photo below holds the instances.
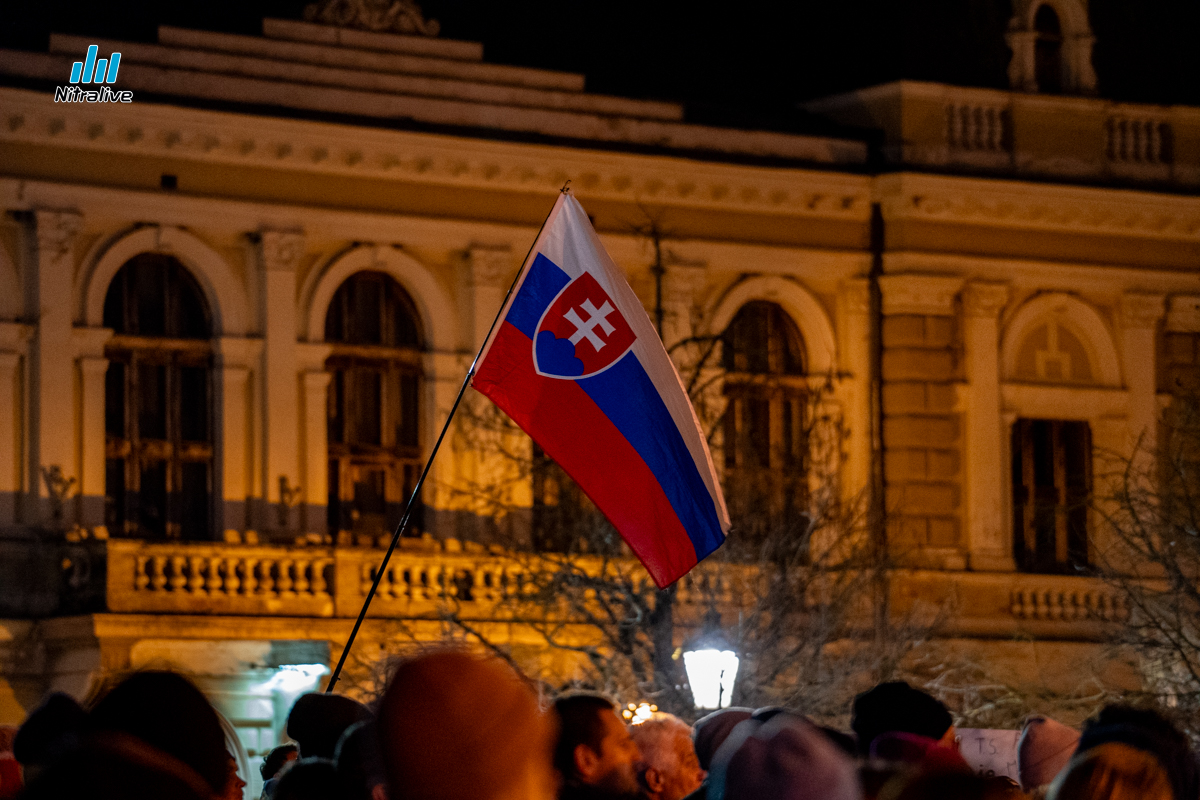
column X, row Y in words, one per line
column 412, row 498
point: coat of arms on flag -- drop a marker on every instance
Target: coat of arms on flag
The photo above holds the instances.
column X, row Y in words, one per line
column 575, row 361
column 581, row 333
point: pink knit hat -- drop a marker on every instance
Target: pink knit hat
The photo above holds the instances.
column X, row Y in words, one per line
column 1044, row 749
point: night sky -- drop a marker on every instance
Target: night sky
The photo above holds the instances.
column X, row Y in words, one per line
column 747, row 62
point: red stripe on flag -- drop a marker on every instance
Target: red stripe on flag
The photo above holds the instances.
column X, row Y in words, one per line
column 573, row 431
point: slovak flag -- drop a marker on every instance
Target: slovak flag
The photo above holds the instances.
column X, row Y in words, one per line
column 576, row 363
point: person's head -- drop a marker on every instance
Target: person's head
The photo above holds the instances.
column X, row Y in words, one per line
column 785, row 758
column 1112, row 771
column 318, row 720
column 958, row 784
column 360, row 769
column 167, row 712
column 455, row 725
column 277, row 758
column 1043, row 750
column 307, row 779
column 897, row 707
column 594, row 748
column 710, row 731
column 54, row 727
column 1151, row 733
column 669, row 768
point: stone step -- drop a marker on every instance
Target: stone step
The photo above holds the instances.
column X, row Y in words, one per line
column 295, row 31
column 417, row 85
column 370, row 60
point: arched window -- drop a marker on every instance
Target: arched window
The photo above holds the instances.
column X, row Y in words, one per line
column 158, row 402
column 1048, row 51
column 765, row 424
column 374, row 442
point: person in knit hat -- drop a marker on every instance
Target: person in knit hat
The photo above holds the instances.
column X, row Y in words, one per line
column 710, row 731
column 784, row 758
column 669, row 769
column 456, row 726
column 1113, row 771
column 1044, row 748
column 1152, row 733
column 896, row 707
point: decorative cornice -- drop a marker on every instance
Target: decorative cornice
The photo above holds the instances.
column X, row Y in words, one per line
column 323, row 148
column 1141, row 310
column 984, row 299
column 919, row 294
column 1010, row 204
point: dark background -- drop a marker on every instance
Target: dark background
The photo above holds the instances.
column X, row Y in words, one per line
column 746, row 62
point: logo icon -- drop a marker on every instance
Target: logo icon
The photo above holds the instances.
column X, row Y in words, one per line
column 581, row 333
column 103, row 70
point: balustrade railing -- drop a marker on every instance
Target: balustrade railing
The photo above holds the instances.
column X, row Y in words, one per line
column 978, row 128
column 1138, row 141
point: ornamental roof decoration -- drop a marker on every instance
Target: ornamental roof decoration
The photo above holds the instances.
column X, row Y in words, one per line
column 379, row 16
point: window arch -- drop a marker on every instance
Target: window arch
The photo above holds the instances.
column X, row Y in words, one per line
column 766, row 420
column 374, row 403
column 1048, row 50
column 158, row 402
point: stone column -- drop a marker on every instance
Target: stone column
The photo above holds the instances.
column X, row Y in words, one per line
column 237, row 365
column 280, row 253
column 922, row 436
column 12, row 349
column 1140, row 314
column 314, row 465
column 988, row 537
column 681, row 284
column 89, row 344
column 51, row 372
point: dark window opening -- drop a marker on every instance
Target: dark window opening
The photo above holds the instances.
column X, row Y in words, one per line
column 373, row 412
column 766, row 420
column 1051, row 478
column 158, row 403
column 1048, row 51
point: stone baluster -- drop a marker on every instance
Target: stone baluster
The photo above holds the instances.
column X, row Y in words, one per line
column 158, row 573
column 141, row 578
column 233, row 582
column 300, row 583
column 178, row 578
column 284, row 584
column 249, row 580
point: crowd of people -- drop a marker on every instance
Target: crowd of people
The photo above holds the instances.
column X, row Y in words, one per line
column 456, row 726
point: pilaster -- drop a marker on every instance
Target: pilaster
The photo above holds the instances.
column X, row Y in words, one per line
column 922, row 430
column 13, row 338
column 92, row 367
column 280, row 253
column 1140, row 314
column 681, row 285
column 988, row 541
column 489, row 270
column 855, row 301
column 237, row 447
column 314, row 384
column 52, row 439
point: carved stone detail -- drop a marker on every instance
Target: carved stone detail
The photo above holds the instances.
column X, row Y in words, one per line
column 1141, row 310
column 381, row 16
column 490, row 266
column 919, row 294
column 56, row 231
column 984, row 299
column 281, row 250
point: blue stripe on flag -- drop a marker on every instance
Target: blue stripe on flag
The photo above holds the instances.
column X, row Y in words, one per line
column 542, row 284
column 627, row 396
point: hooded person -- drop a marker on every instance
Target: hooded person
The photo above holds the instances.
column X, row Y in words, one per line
column 360, row 769
column 318, row 720
column 784, row 758
column 55, row 726
column 1045, row 747
column 708, row 733
column 456, row 726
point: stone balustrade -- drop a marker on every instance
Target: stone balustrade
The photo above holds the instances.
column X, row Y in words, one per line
column 1140, row 141
column 971, row 126
column 431, row 580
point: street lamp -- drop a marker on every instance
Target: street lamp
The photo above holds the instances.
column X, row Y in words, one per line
column 711, row 664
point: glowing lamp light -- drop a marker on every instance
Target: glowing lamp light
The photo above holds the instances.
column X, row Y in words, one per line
column 295, row 678
column 711, row 665
column 711, row 673
column 637, row 713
